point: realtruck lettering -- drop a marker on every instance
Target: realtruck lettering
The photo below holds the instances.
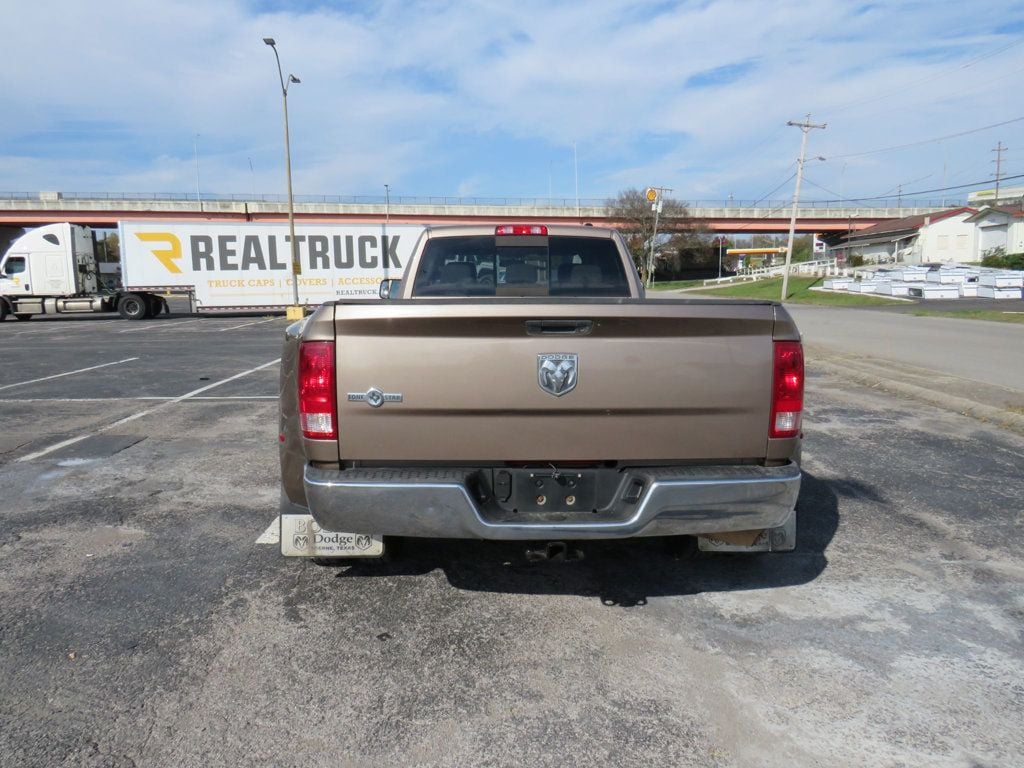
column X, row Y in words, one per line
column 261, row 252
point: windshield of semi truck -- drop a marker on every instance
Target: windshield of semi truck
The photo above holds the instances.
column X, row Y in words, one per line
column 487, row 265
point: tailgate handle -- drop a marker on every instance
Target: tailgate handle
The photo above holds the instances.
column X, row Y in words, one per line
column 559, row 327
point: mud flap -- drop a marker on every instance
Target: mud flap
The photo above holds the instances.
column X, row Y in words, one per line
column 781, row 539
column 302, row 537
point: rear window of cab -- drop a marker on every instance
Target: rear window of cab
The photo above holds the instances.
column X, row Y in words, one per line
column 487, row 265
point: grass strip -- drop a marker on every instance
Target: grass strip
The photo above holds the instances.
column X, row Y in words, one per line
column 800, row 292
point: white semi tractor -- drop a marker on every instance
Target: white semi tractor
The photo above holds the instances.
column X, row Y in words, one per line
column 232, row 266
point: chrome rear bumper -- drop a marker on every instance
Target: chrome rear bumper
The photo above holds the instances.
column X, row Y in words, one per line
column 436, row 503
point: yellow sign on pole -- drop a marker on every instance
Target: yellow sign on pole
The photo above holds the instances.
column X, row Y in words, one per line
column 651, row 194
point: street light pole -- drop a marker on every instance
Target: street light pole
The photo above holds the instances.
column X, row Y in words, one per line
column 195, row 152
column 296, row 266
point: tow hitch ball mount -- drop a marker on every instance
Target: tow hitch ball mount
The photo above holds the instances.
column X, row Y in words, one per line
column 554, row 551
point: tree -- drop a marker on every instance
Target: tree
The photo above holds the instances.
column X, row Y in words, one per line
column 803, row 247
column 765, row 241
column 692, row 249
column 634, row 217
column 109, row 247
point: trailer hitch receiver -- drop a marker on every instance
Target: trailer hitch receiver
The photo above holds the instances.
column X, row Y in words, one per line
column 554, row 551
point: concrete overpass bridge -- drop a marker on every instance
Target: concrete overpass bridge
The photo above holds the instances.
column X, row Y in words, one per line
column 733, row 216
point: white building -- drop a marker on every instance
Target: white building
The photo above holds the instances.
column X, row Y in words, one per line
column 943, row 236
column 999, row 227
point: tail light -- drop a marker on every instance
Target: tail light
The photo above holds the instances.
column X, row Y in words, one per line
column 787, row 389
column 521, row 229
column 318, row 404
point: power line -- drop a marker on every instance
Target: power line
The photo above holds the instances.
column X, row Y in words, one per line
column 769, row 211
column 924, row 191
column 976, row 87
column 926, row 141
column 776, row 189
column 927, row 79
column 831, row 192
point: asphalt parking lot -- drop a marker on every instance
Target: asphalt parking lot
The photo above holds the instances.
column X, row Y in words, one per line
column 142, row 624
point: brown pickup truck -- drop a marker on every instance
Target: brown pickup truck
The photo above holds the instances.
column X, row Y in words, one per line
column 517, row 384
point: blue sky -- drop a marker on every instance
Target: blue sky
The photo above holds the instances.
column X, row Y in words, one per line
column 487, row 98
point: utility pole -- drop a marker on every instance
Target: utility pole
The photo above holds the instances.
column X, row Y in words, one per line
column 805, row 128
column 945, row 162
column 655, row 196
column 999, row 167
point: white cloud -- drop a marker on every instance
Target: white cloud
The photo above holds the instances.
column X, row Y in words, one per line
column 434, row 98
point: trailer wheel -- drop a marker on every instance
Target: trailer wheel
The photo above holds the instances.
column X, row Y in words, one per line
column 23, row 315
column 3, row 310
column 132, row 306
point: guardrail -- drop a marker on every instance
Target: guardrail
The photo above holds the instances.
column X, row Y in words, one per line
column 782, row 206
column 816, row 267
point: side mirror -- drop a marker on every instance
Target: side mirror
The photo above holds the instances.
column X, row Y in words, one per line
column 390, row 289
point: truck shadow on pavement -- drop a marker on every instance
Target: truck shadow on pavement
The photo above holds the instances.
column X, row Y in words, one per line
column 623, row 573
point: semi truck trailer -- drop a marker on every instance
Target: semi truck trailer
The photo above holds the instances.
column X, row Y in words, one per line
column 219, row 267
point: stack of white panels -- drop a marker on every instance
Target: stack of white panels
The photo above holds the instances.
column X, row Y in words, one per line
column 1002, row 279
column 948, row 276
column 912, row 275
column 935, row 291
column 862, row 287
column 992, row 292
column 968, row 290
column 837, row 283
column 893, row 288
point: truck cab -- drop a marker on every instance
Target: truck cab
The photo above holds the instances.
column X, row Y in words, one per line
column 55, row 260
column 53, row 270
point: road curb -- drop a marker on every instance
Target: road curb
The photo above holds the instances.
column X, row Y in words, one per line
column 985, row 413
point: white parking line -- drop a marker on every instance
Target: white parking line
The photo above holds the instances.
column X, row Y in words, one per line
column 61, row 327
column 273, row 533
column 129, row 399
column 217, row 397
column 147, row 412
column 243, row 325
column 163, row 326
column 68, row 373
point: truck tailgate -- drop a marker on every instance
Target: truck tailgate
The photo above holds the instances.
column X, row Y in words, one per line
column 654, row 381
